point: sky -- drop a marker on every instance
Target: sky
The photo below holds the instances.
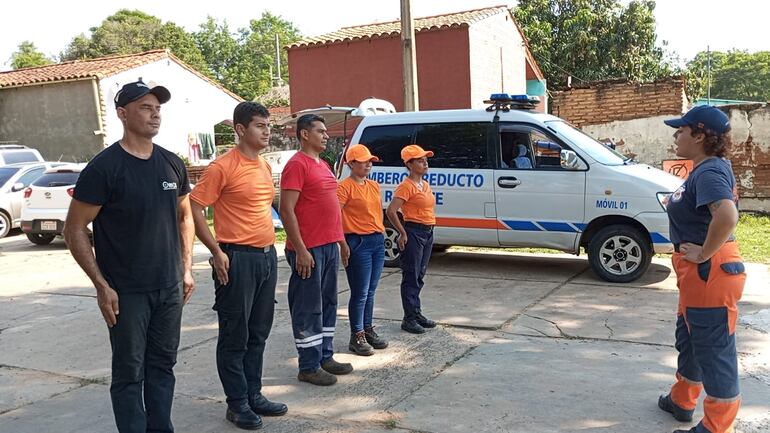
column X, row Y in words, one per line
column 688, row 26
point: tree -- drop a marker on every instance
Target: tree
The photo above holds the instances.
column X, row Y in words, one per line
column 242, row 61
column 27, row 56
column 734, row 75
column 593, row 39
column 133, row 31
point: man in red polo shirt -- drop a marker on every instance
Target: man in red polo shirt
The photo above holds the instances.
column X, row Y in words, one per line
column 311, row 217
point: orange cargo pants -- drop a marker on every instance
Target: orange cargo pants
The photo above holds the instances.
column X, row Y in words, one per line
column 705, row 337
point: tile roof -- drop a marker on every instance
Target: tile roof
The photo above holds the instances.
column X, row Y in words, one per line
column 94, row 68
column 393, row 28
column 78, row 69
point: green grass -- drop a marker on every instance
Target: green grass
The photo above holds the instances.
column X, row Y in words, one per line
column 753, row 235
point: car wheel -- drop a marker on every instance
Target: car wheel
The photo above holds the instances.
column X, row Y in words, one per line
column 40, row 239
column 392, row 253
column 5, row 224
column 619, row 253
column 440, row 248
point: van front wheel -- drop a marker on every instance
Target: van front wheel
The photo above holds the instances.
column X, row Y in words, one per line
column 619, row 253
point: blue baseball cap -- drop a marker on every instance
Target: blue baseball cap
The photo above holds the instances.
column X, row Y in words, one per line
column 704, row 116
column 133, row 91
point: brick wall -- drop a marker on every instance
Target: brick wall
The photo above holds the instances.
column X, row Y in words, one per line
column 612, row 100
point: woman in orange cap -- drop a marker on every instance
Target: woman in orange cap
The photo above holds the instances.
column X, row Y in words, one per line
column 415, row 199
column 710, row 274
column 362, row 223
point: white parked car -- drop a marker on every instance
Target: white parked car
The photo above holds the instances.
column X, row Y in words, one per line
column 17, row 153
column 510, row 177
column 46, row 202
column 14, row 178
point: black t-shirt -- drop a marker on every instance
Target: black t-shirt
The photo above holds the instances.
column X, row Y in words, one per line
column 136, row 233
column 688, row 214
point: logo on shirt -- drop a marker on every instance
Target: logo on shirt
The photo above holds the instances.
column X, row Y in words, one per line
column 168, row 186
column 676, row 197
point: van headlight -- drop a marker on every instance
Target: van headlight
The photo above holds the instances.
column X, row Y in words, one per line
column 663, row 200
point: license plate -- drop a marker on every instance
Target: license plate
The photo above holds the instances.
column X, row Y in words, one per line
column 48, row 225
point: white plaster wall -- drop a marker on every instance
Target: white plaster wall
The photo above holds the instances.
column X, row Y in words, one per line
column 195, row 106
column 485, row 40
column 649, row 140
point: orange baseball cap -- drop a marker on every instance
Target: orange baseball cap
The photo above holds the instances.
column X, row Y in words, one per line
column 360, row 153
column 414, row 151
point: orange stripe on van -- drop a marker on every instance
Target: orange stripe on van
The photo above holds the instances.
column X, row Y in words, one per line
column 471, row 223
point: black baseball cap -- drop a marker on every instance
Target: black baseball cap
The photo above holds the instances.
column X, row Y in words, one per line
column 133, row 91
column 703, row 116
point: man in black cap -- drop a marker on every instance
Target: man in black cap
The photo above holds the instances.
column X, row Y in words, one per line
column 136, row 194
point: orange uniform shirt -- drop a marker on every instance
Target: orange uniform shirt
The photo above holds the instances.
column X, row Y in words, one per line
column 361, row 207
column 241, row 191
column 419, row 206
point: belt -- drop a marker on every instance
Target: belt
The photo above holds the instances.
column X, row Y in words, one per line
column 423, row 227
column 676, row 246
column 246, row 248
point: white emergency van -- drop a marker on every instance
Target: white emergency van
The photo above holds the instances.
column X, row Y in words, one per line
column 510, row 177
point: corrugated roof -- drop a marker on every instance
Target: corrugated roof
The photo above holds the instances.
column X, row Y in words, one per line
column 393, row 28
column 94, row 68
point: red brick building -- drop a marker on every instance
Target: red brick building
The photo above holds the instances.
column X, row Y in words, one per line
column 462, row 58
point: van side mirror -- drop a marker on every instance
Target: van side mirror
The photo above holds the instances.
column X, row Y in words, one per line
column 18, row 186
column 569, row 160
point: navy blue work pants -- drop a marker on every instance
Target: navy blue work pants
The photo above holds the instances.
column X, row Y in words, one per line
column 414, row 264
column 313, row 306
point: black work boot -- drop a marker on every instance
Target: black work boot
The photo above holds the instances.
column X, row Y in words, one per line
column 319, row 377
column 409, row 324
column 374, row 339
column 359, row 345
column 424, row 321
column 262, row 406
column 334, row 367
column 683, row 415
column 244, row 418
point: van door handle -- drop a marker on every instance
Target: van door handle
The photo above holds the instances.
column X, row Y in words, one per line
column 508, row 182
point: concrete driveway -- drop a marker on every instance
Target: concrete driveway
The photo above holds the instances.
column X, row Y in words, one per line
column 526, row 343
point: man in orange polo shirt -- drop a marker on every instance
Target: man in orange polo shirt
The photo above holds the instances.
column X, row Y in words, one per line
column 239, row 185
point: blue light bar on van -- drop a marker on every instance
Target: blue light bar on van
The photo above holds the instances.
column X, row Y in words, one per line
column 505, row 102
column 500, row 97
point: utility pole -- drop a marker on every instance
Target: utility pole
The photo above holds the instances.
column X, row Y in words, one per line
column 409, row 58
column 278, row 78
column 708, row 72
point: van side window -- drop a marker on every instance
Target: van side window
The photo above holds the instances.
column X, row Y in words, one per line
column 386, row 142
column 526, row 148
column 546, row 151
column 456, row 145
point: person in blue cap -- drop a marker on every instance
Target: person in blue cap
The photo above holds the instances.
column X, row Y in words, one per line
column 136, row 194
column 710, row 274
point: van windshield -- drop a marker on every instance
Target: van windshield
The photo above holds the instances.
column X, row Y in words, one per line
column 601, row 153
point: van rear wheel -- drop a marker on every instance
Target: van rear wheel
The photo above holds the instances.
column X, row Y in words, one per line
column 392, row 253
column 619, row 253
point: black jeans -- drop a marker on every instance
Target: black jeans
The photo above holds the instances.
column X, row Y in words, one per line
column 144, row 345
column 245, row 307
